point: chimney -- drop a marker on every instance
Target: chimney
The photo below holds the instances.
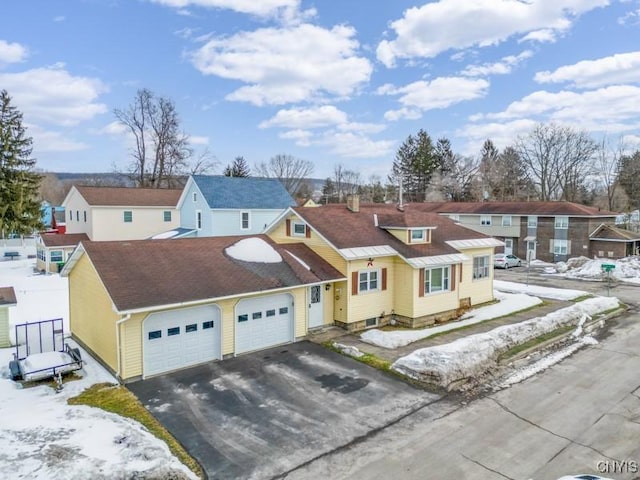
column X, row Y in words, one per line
column 353, row 202
column 54, row 224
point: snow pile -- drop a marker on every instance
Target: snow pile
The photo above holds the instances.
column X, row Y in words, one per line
column 164, row 235
column 253, row 249
column 348, row 350
column 582, row 268
column 43, row 437
column 471, row 356
column 544, row 292
column 508, row 303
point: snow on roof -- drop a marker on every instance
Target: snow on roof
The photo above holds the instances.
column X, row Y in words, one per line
column 475, row 243
column 364, row 252
column 420, row 262
column 253, row 249
column 169, row 234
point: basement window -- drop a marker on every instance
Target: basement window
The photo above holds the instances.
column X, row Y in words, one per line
column 371, row 322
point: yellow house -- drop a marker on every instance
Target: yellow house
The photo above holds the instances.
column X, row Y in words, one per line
column 400, row 266
column 147, row 307
column 120, row 213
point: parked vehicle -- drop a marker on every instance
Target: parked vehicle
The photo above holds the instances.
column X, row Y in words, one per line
column 502, row 260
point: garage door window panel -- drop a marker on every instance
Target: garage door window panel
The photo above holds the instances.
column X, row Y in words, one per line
column 284, row 310
column 155, row 334
column 206, row 325
column 256, row 315
column 173, row 331
column 191, row 328
column 271, row 313
column 243, row 318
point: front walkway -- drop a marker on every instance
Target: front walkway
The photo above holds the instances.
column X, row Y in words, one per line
column 343, row 337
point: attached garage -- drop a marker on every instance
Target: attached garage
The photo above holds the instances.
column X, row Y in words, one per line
column 181, row 338
column 263, row 322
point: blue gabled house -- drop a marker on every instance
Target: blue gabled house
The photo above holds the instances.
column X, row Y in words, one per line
column 216, row 205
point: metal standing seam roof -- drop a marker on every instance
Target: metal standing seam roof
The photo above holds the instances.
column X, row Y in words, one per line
column 552, row 208
column 243, row 192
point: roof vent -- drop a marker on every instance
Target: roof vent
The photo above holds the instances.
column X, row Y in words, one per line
column 353, row 202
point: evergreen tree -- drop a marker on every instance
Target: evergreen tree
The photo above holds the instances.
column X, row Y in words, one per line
column 238, row 168
column 19, row 184
column 329, row 194
column 415, row 163
column 629, row 177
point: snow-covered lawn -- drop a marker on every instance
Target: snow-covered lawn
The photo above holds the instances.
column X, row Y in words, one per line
column 473, row 355
column 507, row 303
column 41, row 436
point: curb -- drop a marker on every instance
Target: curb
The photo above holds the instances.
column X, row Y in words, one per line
column 588, row 326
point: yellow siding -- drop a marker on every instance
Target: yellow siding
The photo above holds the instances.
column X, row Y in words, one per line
column 327, row 304
column 405, row 289
column 341, row 295
column 315, row 243
column 371, row 304
column 108, row 223
column 91, row 316
column 480, row 291
column 4, row 327
column 131, row 346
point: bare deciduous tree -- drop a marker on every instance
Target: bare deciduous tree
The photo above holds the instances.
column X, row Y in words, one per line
column 558, row 159
column 161, row 153
column 291, row 171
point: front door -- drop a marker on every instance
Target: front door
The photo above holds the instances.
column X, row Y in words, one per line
column 508, row 246
column 315, row 306
column 531, row 250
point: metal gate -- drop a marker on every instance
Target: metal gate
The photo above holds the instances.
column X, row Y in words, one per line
column 39, row 337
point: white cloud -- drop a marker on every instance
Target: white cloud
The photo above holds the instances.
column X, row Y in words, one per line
column 436, row 27
column 440, row 92
column 261, row 8
column 198, row 140
column 301, row 137
column 402, row 114
column 630, row 18
column 503, row 67
column 362, row 127
column 51, row 141
column 286, row 65
column 54, row 95
column 616, row 69
column 113, row 128
column 303, row 118
column 352, row 145
column 12, row 52
column 501, row 134
column 59, row 18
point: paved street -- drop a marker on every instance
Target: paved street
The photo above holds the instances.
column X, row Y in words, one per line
column 580, row 416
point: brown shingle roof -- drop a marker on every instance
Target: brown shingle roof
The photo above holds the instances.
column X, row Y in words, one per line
column 63, row 240
column 347, row 229
column 610, row 232
column 147, row 273
column 130, row 197
column 512, row 208
column 7, row 296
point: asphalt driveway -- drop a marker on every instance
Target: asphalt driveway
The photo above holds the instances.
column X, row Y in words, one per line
column 262, row 414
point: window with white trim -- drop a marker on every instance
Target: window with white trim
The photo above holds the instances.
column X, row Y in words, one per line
column 480, row 267
column 298, row 229
column 532, row 221
column 417, row 235
column 199, row 219
column 166, row 215
column 506, row 220
column 57, row 256
column 436, row 279
column 368, row 281
column 562, row 223
column 245, row 220
column 195, row 197
column 485, row 220
column 560, row 247
column 127, row 216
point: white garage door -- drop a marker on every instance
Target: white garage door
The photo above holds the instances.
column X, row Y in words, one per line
column 181, row 338
column 263, row 322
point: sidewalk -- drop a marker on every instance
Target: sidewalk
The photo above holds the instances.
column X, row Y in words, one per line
column 339, row 335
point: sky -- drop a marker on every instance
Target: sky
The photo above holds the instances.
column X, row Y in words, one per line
column 332, row 82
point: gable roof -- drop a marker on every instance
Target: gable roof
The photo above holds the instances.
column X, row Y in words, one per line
column 141, row 274
column 129, row 197
column 63, row 240
column 513, row 208
column 7, row 297
column 350, row 231
column 614, row 234
column 243, row 192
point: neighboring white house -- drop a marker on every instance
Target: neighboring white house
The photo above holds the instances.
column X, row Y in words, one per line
column 120, row 213
column 7, row 300
column 218, row 205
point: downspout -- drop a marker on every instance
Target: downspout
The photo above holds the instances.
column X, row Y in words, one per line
column 118, row 323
